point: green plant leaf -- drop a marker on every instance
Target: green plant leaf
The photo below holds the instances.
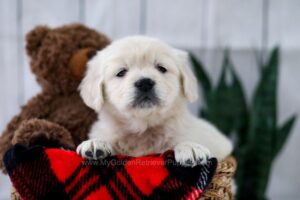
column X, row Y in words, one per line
column 219, row 104
column 283, row 133
column 240, row 113
column 227, row 108
column 201, row 76
column 273, row 60
column 262, row 133
column 264, row 104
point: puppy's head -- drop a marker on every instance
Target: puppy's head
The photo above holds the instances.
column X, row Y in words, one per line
column 138, row 75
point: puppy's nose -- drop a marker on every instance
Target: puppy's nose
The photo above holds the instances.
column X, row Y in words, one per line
column 144, row 84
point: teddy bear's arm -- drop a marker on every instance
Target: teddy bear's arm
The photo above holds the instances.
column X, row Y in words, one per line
column 35, row 132
column 6, row 137
column 42, row 132
column 35, row 108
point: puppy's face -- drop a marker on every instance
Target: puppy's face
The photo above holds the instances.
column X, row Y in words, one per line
column 138, row 75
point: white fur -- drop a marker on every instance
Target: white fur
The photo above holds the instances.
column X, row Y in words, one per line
column 139, row 131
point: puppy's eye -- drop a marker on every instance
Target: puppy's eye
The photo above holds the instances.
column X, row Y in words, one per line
column 122, row 72
column 160, row 68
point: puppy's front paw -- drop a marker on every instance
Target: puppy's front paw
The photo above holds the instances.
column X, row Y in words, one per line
column 94, row 149
column 190, row 154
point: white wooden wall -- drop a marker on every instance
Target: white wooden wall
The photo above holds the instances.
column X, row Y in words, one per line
column 203, row 26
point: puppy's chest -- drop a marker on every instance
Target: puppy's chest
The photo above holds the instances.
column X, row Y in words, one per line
column 147, row 143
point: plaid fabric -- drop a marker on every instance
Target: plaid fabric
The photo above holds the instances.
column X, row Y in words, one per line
column 45, row 173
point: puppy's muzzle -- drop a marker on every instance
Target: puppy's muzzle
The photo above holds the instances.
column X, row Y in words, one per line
column 145, row 95
column 144, row 84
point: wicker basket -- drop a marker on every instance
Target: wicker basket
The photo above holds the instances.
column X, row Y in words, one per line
column 221, row 185
column 14, row 194
column 218, row 189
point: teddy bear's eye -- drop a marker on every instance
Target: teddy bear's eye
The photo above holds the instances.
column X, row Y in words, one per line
column 161, row 68
column 122, row 72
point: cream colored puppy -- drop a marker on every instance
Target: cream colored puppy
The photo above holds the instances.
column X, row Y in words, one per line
column 140, row 87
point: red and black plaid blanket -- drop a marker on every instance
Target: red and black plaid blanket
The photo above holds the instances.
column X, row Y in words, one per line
column 47, row 173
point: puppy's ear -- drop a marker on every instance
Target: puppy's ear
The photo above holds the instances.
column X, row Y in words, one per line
column 188, row 79
column 91, row 87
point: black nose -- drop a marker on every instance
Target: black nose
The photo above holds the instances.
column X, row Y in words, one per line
column 144, row 84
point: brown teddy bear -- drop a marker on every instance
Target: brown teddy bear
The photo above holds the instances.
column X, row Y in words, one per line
column 57, row 117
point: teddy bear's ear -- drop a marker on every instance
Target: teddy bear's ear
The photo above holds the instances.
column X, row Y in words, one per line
column 35, row 38
column 78, row 62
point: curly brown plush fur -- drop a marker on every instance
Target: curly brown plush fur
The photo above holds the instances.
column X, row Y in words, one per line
column 57, row 116
column 42, row 132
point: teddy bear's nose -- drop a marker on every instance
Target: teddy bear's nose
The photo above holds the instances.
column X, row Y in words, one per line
column 144, row 84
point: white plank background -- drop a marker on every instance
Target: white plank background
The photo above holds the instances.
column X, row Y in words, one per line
column 203, row 26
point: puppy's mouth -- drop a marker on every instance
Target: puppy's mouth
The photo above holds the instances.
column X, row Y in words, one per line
column 145, row 100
